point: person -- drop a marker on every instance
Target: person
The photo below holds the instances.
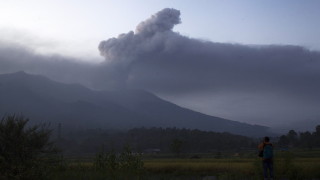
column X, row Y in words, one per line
column 266, row 153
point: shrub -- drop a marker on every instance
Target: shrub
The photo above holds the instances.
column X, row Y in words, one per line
column 24, row 151
column 126, row 164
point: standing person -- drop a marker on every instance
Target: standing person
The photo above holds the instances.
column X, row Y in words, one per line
column 266, row 153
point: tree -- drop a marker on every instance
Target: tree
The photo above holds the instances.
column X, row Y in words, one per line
column 317, row 136
column 293, row 138
column 317, row 132
column 176, row 146
column 24, row 150
column 306, row 140
column 283, row 141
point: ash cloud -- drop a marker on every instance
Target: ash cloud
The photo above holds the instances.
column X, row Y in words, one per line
column 162, row 21
column 156, row 58
column 150, row 37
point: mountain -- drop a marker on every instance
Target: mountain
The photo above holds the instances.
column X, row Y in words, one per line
column 75, row 106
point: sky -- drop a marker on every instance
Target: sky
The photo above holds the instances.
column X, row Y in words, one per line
column 75, row 27
column 251, row 61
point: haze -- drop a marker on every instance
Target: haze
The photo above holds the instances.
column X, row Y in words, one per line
column 249, row 61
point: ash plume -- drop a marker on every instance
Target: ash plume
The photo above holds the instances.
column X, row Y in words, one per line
column 156, row 58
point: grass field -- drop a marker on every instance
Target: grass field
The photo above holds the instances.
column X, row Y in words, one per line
column 288, row 165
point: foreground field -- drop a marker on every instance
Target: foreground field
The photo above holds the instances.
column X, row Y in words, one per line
column 286, row 167
column 236, row 168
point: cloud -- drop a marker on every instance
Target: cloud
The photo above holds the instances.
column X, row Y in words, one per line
column 147, row 37
column 15, row 57
column 126, row 49
column 156, row 58
column 160, row 22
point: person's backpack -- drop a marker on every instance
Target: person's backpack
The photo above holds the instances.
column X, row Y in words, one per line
column 268, row 151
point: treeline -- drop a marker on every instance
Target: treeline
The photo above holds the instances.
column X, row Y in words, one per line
column 189, row 140
column 153, row 140
column 302, row 139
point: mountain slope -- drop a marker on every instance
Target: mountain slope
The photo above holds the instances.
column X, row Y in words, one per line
column 75, row 106
column 175, row 116
column 72, row 105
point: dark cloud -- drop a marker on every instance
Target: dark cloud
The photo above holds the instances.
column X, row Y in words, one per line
column 156, row 58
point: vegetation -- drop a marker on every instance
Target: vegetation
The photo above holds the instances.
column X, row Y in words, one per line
column 126, row 165
column 25, row 152
column 287, row 166
column 167, row 140
column 302, row 140
column 176, row 146
column 229, row 162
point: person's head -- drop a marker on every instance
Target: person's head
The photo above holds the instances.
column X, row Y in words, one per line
column 266, row 139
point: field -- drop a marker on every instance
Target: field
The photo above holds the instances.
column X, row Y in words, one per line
column 288, row 165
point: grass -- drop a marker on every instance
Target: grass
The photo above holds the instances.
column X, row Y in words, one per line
column 287, row 166
column 199, row 166
column 305, row 168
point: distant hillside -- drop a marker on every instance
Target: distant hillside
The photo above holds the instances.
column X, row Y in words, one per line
column 75, row 106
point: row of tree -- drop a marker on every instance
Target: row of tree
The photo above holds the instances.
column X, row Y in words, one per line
column 302, row 139
column 164, row 140
column 174, row 140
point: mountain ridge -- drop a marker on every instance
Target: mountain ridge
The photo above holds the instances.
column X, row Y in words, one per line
column 74, row 105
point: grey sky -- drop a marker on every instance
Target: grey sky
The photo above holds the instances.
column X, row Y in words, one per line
column 75, row 27
column 266, row 84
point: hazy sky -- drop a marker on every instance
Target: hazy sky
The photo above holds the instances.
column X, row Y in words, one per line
column 202, row 54
column 75, row 27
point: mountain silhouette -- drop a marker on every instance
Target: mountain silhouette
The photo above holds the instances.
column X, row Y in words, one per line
column 77, row 107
